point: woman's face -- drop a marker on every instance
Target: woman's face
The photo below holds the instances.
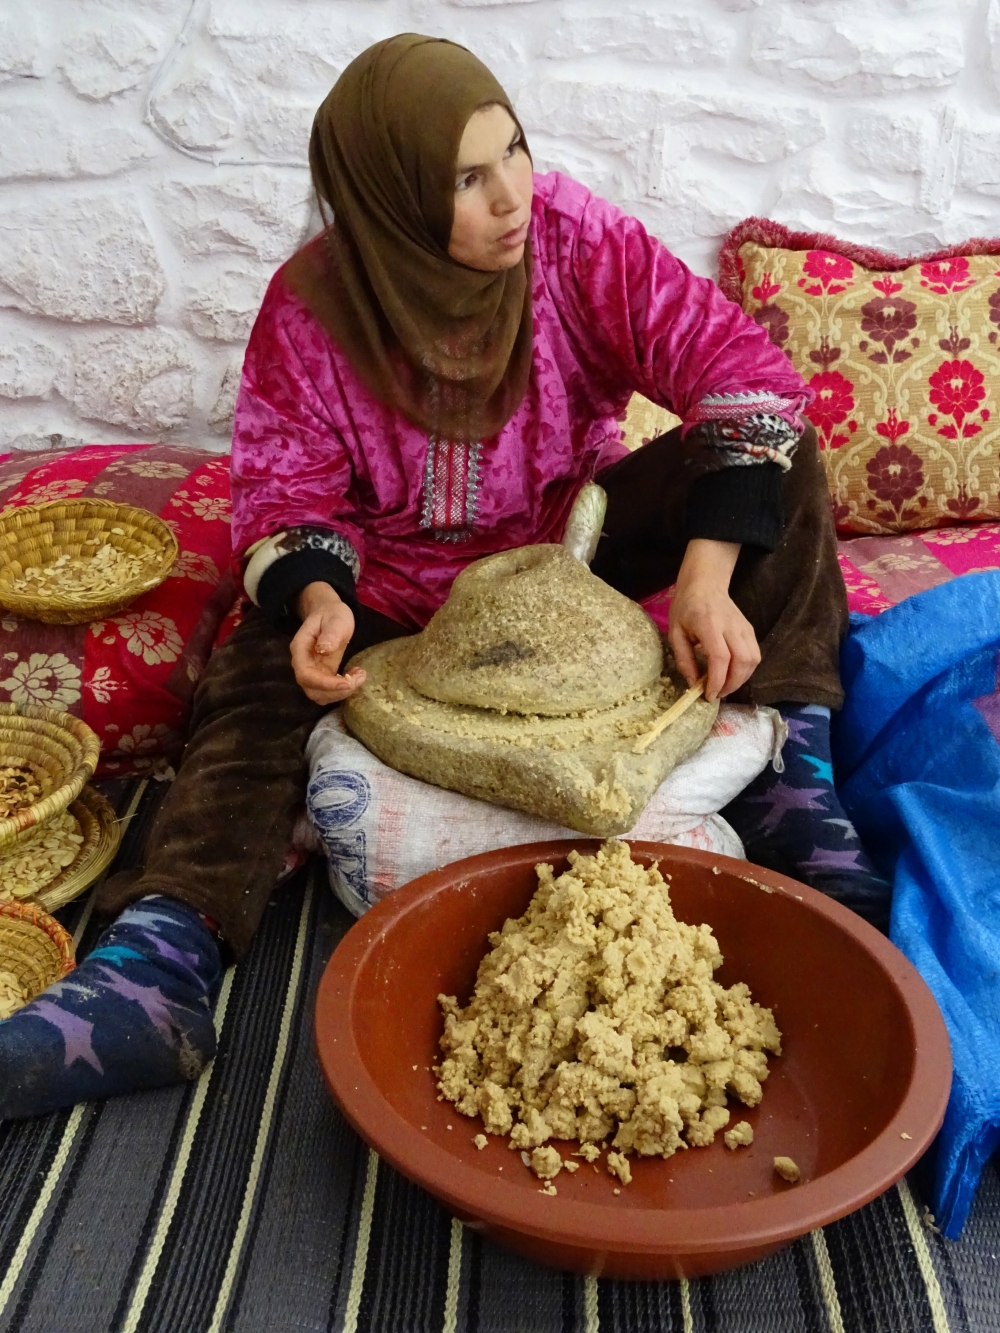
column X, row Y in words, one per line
column 493, row 191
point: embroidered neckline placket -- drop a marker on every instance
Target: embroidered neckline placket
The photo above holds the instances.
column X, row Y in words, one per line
column 451, row 488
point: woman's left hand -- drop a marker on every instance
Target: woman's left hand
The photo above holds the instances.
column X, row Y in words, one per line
column 704, row 616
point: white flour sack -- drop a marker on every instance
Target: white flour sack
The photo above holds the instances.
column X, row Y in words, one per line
column 379, row 828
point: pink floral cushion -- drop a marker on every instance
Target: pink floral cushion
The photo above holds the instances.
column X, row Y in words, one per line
column 132, row 677
column 903, row 357
column 881, row 571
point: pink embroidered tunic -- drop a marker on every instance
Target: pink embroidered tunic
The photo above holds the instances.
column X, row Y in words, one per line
column 614, row 313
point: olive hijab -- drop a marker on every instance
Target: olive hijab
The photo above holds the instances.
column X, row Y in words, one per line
column 445, row 345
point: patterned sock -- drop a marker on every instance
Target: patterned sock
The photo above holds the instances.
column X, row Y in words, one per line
column 135, row 1014
column 793, row 821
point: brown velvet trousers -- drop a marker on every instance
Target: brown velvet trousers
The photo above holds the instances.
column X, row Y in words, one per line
column 223, row 831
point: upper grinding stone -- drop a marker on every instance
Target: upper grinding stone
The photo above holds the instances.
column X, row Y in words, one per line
column 533, row 631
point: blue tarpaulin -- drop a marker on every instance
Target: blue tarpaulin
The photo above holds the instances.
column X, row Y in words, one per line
column 917, row 751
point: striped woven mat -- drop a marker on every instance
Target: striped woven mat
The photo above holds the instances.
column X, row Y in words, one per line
column 244, row 1204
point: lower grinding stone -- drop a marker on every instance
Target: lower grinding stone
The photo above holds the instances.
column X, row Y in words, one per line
column 579, row 771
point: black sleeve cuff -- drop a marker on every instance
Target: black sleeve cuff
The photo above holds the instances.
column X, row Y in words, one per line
column 282, row 582
column 738, row 504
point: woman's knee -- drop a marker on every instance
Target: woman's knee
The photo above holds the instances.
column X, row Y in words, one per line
column 254, row 664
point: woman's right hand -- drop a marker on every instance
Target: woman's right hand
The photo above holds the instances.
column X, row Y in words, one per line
column 319, row 645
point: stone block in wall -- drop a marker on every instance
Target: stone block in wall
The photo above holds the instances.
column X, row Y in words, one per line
column 604, row 174
column 687, row 201
column 110, row 150
column 142, row 378
column 940, row 170
column 993, row 40
column 21, row 429
column 979, row 161
column 824, row 194
column 893, row 141
column 224, row 306
column 110, row 56
column 196, row 109
column 91, row 260
column 250, row 79
column 502, row 45
column 40, row 143
column 607, row 113
column 910, row 143
column 278, row 128
column 259, row 211
column 28, row 367
column 19, row 47
column 288, row 54
column 220, row 418
column 285, row 30
column 867, row 50
column 655, row 35
column 750, row 129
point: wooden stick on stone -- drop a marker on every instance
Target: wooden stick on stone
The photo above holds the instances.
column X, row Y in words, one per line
column 675, row 710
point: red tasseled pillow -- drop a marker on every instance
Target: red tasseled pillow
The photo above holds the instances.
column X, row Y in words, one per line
column 133, row 676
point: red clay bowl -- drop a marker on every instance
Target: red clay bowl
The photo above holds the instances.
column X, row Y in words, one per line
column 855, row 1099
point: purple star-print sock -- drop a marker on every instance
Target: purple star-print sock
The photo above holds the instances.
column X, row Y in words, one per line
column 135, row 1014
column 793, row 821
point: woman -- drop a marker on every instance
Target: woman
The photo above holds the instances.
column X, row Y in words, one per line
column 430, row 380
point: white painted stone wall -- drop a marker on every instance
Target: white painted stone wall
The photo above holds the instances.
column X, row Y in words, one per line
column 152, row 158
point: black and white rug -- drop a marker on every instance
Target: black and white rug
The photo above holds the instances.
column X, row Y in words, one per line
column 244, row 1204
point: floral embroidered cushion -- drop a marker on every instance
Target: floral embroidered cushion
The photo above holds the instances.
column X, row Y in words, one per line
column 132, row 677
column 903, row 357
column 645, row 421
column 881, row 571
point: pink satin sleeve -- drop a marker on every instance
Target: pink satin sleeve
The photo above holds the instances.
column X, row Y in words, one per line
column 642, row 315
column 290, row 467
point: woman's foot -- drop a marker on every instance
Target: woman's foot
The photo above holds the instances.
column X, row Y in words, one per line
column 793, row 821
column 134, row 1015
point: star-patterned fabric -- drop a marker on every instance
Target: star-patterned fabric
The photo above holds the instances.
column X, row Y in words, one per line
column 792, row 821
column 135, row 1014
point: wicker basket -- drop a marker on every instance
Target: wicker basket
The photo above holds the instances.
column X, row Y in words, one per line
column 37, row 535
column 59, row 749
column 102, row 832
column 33, row 947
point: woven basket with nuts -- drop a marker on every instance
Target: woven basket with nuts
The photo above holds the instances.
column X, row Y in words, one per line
column 37, row 858
column 71, row 561
column 35, row 951
column 46, row 759
column 55, row 862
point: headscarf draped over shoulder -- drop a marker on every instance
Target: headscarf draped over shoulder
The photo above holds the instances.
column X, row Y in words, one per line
column 447, row 346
